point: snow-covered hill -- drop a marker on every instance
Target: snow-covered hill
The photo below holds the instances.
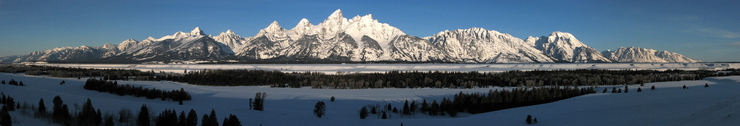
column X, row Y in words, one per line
column 359, row 39
column 668, row 105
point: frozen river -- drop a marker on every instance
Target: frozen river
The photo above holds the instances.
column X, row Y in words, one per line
column 372, row 68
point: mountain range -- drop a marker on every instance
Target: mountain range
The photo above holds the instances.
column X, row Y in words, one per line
column 338, row 39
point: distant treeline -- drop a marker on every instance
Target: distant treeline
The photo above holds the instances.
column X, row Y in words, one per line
column 480, row 102
column 138, row 91
column 435, row 79
column 390, row 79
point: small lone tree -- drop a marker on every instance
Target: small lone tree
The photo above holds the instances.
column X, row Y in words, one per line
column 626, row 88
column 639, row 89
column 652, row 87
column 363, row 113
column 529, row 119
column 319, row 109
column 331, row 99
column 384, row 116
column 684, row 87
column 706, row 85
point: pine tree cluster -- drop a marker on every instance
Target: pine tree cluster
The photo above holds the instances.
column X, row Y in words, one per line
column 138, row 91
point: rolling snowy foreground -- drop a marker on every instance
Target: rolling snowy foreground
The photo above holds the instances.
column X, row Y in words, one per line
column 667, row 105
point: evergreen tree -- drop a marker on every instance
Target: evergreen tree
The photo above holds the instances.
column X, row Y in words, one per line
column 363, row 113
column 88, row 116
column 626, row 88
column 652, row 87
column 204, row 121
column 639, row 89
column 109, row 121
column 143, row 119
column 5, row 119
column 424, row 106
column 192, row 119
column 232, row 120
column 406, row 108
column 41, row 111
column 684, row 87
column 60, row 112
column 529, row 119
column 182, row 120
column 319, row 109
column 384, row 116
column 374, row 110
column 412, row 106
column 124, row 116
column 614, row 89
column 259, row 101
column 332, row 99
column 434, row 109
column 210, row 120
column 706, row 85
column 167, row 118
column 604, row 91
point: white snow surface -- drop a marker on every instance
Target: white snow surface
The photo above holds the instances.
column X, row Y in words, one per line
column 667, row 105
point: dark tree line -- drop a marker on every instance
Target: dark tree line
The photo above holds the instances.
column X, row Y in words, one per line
column 89, row 116
column 435, row 79
column 138, row 91
column 106, row 74
column 483, row 102
column 8, row 105
column 390, row 79
column 13, row 82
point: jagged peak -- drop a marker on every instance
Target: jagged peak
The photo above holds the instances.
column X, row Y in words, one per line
column 130, row 40
column 303, row 23
column 274, row 26
column 366, row 18
column 337, row 14
column 197, row 31
column 228, row 32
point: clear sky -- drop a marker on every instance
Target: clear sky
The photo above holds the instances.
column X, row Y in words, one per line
column 702, row 29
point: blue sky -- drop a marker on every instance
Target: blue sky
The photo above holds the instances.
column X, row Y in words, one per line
column 701, row 29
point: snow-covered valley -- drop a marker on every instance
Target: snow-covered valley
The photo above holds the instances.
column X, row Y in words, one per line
column 669, row 104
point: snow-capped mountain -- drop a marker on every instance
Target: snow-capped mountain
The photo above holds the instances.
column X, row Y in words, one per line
column 359, row 39
column 229, row 39
column 479, row 45
column 564, row 47
column 640, row 55
column 69, row 54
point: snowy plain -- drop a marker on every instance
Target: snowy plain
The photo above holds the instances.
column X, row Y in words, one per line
column 380, row 68
column 667, row 105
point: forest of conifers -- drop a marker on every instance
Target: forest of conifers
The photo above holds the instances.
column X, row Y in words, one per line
column 391, row 79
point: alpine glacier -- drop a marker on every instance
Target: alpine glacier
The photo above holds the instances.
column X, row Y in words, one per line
column 338, row 39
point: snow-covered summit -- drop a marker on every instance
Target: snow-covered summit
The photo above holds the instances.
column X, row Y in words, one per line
column 565, row 47
column 197, row 31
column 640, row 55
